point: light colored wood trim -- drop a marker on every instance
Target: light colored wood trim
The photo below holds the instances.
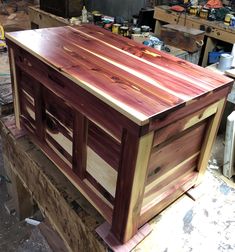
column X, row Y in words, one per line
column 210, row 45
column 157, row 30
column 209, row 140
column 125, row 110
column 159, row 195
column 16, row 100
column 99, row 195
column 63, row 141
column 151, row 185
column 201, row 115
column 30, row 112
column 140, row 175
column 101, row 171
column 185, row 123
column 58, row 153
column 56, row 119
column 29, row 97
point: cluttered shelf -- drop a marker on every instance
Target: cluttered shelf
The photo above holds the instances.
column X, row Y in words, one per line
column 214, row 30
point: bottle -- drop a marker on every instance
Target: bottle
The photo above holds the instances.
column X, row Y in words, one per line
column 84, row 15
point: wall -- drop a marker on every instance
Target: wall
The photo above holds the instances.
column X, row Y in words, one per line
column 125, row 8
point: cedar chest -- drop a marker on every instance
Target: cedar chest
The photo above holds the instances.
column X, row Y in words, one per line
column 130, row 126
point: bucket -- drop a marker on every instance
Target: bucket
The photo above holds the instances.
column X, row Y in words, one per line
column 225, row 61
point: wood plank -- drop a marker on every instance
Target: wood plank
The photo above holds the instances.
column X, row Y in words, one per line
column 183, row 124
column 189, row 81
column 102, row 172
column 161, row 174
column 21, row 200
column 107, row 147
column 66, row 209
column 91, row 194
column 130, row 185
column 175, row 151
column 15, row 92
column 80, row 132
column 154, row 197
column 185, row 184
column 99, row 187
column 39, row 111
column 191, row 107
column 209, row 140
column 105, row 233
column 62, row 141
column 77, row 97
column 210, row 46
column 58, row 149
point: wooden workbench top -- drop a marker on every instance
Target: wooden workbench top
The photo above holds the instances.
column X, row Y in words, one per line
column 138, row 81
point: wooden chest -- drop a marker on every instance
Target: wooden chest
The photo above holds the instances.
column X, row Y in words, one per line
column 130, row 126
column 182, row 37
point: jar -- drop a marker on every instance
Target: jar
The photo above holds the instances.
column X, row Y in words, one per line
column 193, row 10
column 124, row 31
column 204, row 13
column 116, row 28
column 145, row 28
column 227, row 19
column 136, row 30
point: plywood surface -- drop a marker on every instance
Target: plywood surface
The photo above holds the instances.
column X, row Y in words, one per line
column 138, row 81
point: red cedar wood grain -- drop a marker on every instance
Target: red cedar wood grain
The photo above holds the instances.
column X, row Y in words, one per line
column 173, row 152
column 80, row 131
column 100, row 205
column 93, row 60
column 179, row 187
column 75, row 96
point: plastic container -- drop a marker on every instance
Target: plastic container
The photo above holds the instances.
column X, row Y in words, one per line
column 84, row 15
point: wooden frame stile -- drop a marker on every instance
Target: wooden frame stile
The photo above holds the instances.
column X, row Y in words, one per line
column 209, row 140
column 131, row 184
column 14, row 87
column 80, row 144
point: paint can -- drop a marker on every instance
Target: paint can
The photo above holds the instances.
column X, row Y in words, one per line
column 116, row 28
column 136, row 30
column 145, row 28
column 124, row 31
column 97, row 17
column 225, row 61
column 204, row 13
column 193, row 10
column 227, row 19
column 232, row 22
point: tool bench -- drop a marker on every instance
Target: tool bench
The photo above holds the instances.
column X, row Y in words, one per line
column 214, row 30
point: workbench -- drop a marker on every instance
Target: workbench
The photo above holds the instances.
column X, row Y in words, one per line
column 214, row 30
column 129, row 126
column 42, row 19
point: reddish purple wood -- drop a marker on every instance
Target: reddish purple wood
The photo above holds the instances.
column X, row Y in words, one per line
column 105, row 233
column 141, row 78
